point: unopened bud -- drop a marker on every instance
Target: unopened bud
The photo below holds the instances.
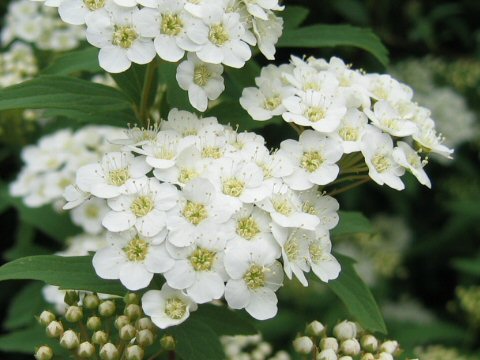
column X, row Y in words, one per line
column 94, row 323
column 91, row 301
column 54, row 329
column 145, row 338
column 329, row 343
column 107, row 308
column 133, row 311
column 74, row 314
column 389, row 346
column 127, row 332
column 385, row 356
column 347, row 357
column 368, row 356
column 350, row 347
column 134, row 352
column 69, row 340
column 86, row 350
column 315, row 328
column 145, row 323
column 44, row 353
column 327, row 354
column 131, row 298
column 71, row 297
column 109, row 352
column 121, row 321
column 167, row 343
column 46, row 317
column 303, row 345
column 369, row 343
column 345, row 330
column 99, row 337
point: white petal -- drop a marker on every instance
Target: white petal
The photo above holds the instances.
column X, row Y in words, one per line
column 263, row 304
column 237, row 294
column 134, row 276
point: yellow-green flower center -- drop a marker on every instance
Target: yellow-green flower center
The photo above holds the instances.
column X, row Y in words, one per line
column 201, row 75
column 202, row 259
column 348, row 133
column 136, row 250
column 175, row 308
column 195, row 213
column 187, row 175
column 292, row 249
column 218, row 35
column 64, row 182
column 312, row 86
column 190, row 132
column 311, row 160
column 316, row 113
column 282, row 206
column 172, row 24
column 272, row 103
column 142, row 206
column 164, row 153
column 92, row 211
column 316, row 253
column 93, row 5
column 213, row 152
column 118, row 177
column 233, row 187
column 247, row 228
column 255, row 277
column 380, row 163
column 309, row 208
column 124, row 36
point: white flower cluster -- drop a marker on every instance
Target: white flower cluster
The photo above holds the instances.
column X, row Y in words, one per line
column 17, row 64
column 51, row 164
column 207, row 208
column 252, row 347
column 369, row 114
column 31, row 22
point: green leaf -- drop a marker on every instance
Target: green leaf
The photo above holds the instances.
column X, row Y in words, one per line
column 239, row 79
column 25, row 341
column 354, row 11
column 24, row 244
column 131, row 81
column 74, row 272
column 24, row 306
column 467, row 266
column 352, row 222
column 224, row 321
column 75, row 61
column 335, row 35
column 4, row 197
column 118, row 118
column 356, row 296
column 196, row 341
column 294, row 16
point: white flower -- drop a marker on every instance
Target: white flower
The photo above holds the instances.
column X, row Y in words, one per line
column 351, row 129
column 143, row 207
column 320, row 259
column 384, row 87
column 89, row 215
column 115, row 32
column 75, row 11
column 430, row 140
column 255, row 276
column 323, row 206
column 132, row 258
column 257, row 7
column 188, row 124
column 313, row 157
column 167, row 307
column 388, row 119
column 74, row 197
column 295, row 253
column 404, row 155
column 268, row 31
column 112, row 175
column 203, row 81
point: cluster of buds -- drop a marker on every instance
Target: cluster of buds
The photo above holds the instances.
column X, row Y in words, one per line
column 347, row 342
column 86, row 328
column 469, row 299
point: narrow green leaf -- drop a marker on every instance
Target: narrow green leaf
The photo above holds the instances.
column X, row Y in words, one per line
column 24, row 306
column 25, row 341
column 75, row 61
column 467, row 266
column 352, row 222
column 196, row 341
column 356, row 296
column 224, row 321
column 354, row 11
column 335, row 35
column 74, row 272
column 294, row 16
column 238, row 79
column 131, row 81
column 117, row 118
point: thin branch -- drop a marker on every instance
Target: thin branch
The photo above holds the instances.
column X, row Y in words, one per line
column 147, row 91
column 349, row 187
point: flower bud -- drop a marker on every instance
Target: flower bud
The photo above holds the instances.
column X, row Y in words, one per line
column 347, row 357
column 368, row 356
column 71, row 297
column 91, row 301
column 389, row 346
column 94, row 323
column 303, row 345
column 127, row 332
column 86, row 350
column 369, row 343
column 131, row 298
column 133, row 311
column 315, row 328
column 350, row 347
column 345, row 330
column 167, row 343
column 107, row 308
column 121, row 321
column 69, row 340
column 329, row 343
column 145, row 338
column 134, row 352
column 385, row 356
column 74, row 314
column 46, row 317
column 54, row 329
column 327, row 354
column 44, row 353
column 145, row 323
column 99, row 337
column 109, row 352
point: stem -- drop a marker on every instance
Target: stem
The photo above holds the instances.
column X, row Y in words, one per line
column 83, row 331
column 298, row 129
column 354, row 170
column 154, row 356
column 349, row 187
column 143, row 112
column 171, row 355
column 349, row 178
